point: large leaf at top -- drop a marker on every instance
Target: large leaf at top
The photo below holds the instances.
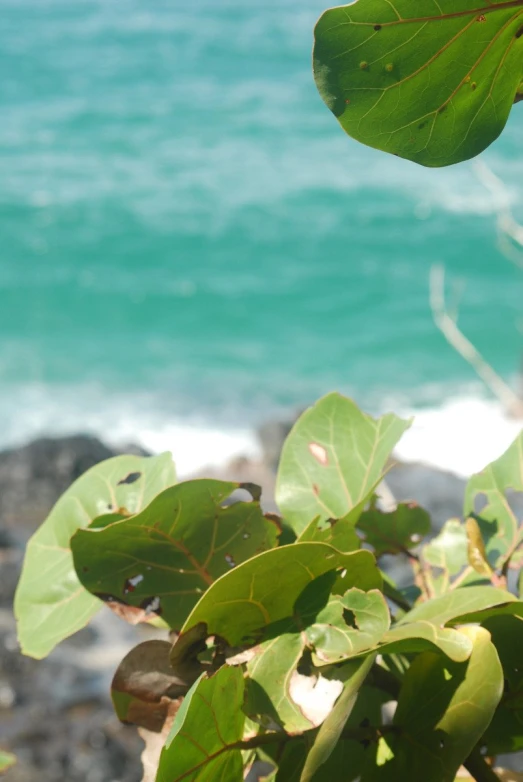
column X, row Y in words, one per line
column 443, row 710
column 163, row 559
column 265, row 589
column 50, row 602
column 333, row 630
column 502, row 531
column 204, row 744
column 430, row 81
column 332, row 461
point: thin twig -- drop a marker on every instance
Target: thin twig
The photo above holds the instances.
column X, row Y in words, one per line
column 447, row 324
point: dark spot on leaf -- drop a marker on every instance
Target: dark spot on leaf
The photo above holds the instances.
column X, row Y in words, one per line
column 364, row 65
column 365, row 723
column 131, row 584
column 109, row 507
column 131, row 478
column 347, row 101
column 350, row 618
column 85, row 569
column 473, row 85
column 315, row 489
column 421, row 126
column 519, row 32
column 377, row 27
column 481, row 18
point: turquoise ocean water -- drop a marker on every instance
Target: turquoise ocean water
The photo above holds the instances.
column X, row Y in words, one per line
column 188, row 238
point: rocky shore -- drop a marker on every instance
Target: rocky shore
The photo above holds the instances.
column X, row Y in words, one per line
column 55, row 714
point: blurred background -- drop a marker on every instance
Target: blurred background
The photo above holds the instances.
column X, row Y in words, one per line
column 190, row 245
column 192, row 249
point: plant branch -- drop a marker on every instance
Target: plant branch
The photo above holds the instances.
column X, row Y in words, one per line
column 479, row 769
column 447, row 324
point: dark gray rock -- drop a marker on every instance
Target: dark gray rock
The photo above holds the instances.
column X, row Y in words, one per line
column 55, row 714
column 440, row 493
column 34, row 476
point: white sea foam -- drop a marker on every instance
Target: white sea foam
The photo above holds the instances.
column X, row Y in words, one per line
column 463, row 435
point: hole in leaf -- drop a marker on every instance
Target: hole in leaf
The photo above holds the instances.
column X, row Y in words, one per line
column 319, row 452
column 131, row 478
column 480, row 502
column 350, row 618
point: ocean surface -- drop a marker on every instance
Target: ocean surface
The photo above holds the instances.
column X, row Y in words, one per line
column 190, row 245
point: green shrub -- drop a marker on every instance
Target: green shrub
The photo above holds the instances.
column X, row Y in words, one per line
column 290, row 644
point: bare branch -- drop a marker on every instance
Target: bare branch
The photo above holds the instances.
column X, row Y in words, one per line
column 510, row 232
column 447, row 324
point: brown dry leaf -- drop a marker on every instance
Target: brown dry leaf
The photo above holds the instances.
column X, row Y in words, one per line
column 146, row 687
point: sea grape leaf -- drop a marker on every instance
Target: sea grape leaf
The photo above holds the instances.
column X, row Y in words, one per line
column 333, row 460
column 264, row 589
column 277, row 690
column 500, row 527
column 394, row 532
column 205, row 740
column 433, row 82
column 160, row 561
column 145, row 686
column 505, row 732
column 339, row 533
column 50, row 602
column 330, row 732
column 452, row 607
column 424, row 636
column 6, row 761
column 443, row 709
column 476, row 549
column 445, row 557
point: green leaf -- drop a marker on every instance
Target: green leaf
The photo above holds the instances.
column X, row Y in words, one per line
column 476, row 549
column 298, row 700
column 424, row 636
column 264, row 589
column 339, row 533
column 50, row 602
column 443, row 710
column 160, row 561
column 6, row 761
column 433, row 82
column 452, row 607
column 445, row 556
column 505, row 733
column 333, row 460
column 205, row 741
column 500, row 527
column 330, row 732
column 395, row 532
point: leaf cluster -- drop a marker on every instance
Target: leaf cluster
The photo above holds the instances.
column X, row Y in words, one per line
column 286, row 641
